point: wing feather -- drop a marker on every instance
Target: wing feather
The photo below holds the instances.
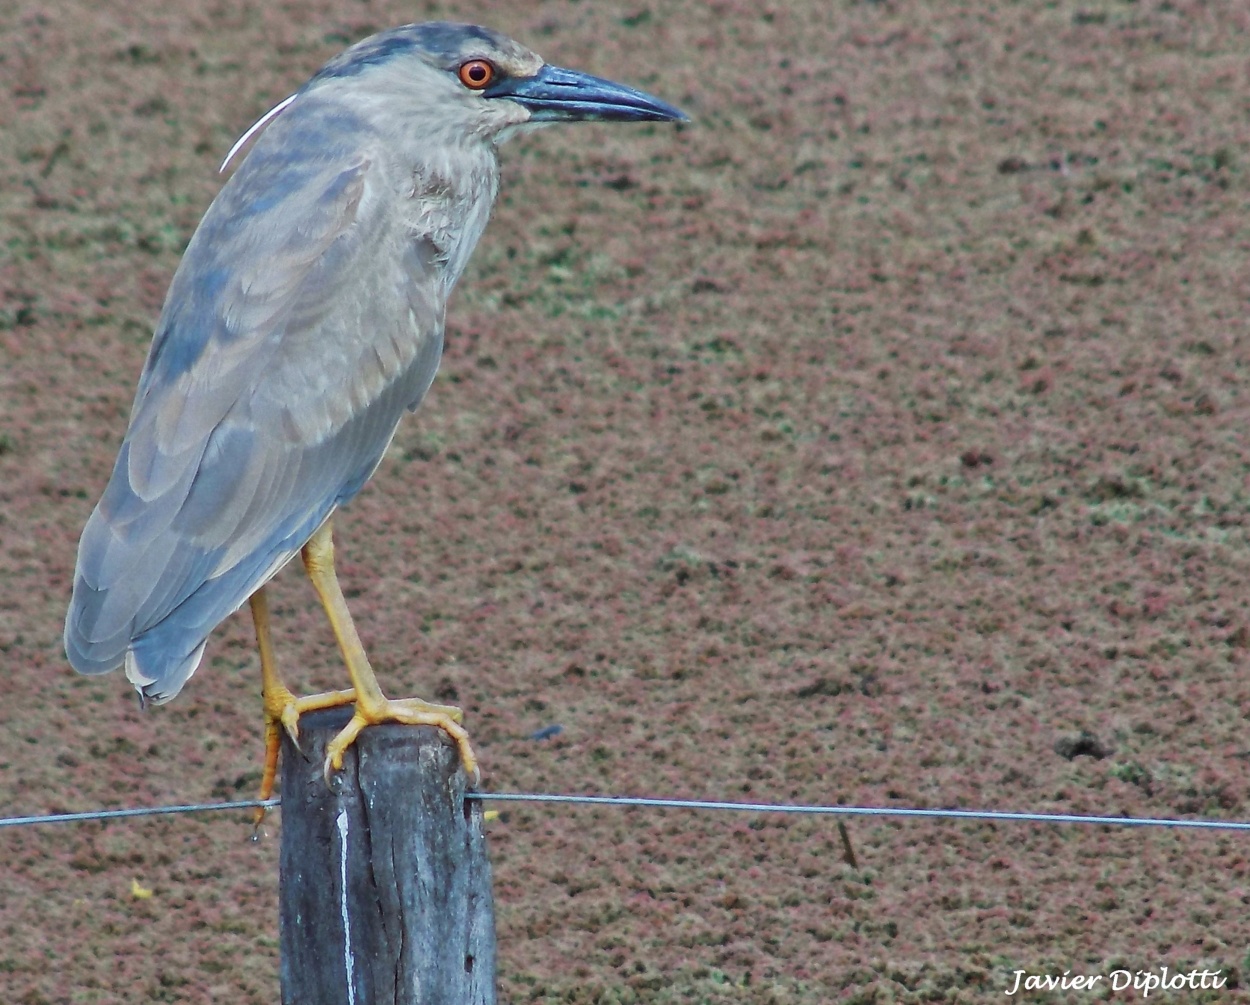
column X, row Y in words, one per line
column 279, row 370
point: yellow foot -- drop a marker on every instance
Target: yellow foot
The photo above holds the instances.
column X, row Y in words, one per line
column 282, row 712
column 283, row 708
column 410, row 712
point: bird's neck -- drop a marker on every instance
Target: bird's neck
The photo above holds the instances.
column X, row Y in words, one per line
column 451, row 188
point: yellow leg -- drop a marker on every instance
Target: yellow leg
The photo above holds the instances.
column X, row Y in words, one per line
column 372, row 706
column 282, row 708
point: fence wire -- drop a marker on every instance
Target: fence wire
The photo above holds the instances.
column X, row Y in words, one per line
column 995, row 816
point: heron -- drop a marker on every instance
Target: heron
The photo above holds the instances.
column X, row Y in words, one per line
column 304, row 319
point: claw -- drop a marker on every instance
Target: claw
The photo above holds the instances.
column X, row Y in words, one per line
column 327, row 772
column 290, row 722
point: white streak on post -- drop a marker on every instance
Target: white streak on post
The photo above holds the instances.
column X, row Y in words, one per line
column 348, row 960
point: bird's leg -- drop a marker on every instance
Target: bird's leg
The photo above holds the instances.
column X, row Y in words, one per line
column 282, row 708
column 372, row 706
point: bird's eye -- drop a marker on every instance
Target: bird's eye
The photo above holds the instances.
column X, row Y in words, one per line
column 476, row 74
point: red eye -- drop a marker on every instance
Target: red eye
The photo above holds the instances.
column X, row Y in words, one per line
column 476, row 74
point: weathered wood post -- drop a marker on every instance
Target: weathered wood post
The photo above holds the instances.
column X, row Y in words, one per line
column 385, row 895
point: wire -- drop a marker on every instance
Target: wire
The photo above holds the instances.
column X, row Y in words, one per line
column 861, row 811
column 681, row 804
column 142, row 811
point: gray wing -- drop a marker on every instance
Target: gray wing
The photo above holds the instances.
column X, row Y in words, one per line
column 299, row 325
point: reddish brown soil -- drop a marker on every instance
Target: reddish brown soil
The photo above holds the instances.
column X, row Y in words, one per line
column 863, row 441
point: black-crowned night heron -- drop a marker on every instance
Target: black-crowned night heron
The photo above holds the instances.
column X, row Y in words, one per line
column 304, row 319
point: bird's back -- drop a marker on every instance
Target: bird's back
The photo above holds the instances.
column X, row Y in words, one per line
column 306, row 315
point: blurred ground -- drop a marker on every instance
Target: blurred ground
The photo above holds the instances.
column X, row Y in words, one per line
column 868, row 440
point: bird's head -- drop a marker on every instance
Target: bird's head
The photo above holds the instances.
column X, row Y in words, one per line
column 463, row 80
column 478, row 81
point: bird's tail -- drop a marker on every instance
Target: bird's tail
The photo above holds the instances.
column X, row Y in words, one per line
column 88, row 654
column 157, row 669
column 158, row 688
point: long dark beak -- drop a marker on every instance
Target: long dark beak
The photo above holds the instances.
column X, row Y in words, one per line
column 554, row 94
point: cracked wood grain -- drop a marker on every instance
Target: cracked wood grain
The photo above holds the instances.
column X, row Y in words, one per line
column 385, row 884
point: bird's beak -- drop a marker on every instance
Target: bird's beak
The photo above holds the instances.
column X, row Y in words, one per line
column 554, row 94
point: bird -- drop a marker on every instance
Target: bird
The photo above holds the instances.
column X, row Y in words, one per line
column 305, row 318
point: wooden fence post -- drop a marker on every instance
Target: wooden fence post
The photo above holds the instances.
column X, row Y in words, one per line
column 385, row 891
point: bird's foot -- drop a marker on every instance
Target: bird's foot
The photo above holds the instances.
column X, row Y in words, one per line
column 409, row 712
column 282, row 712
column 282, row 708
